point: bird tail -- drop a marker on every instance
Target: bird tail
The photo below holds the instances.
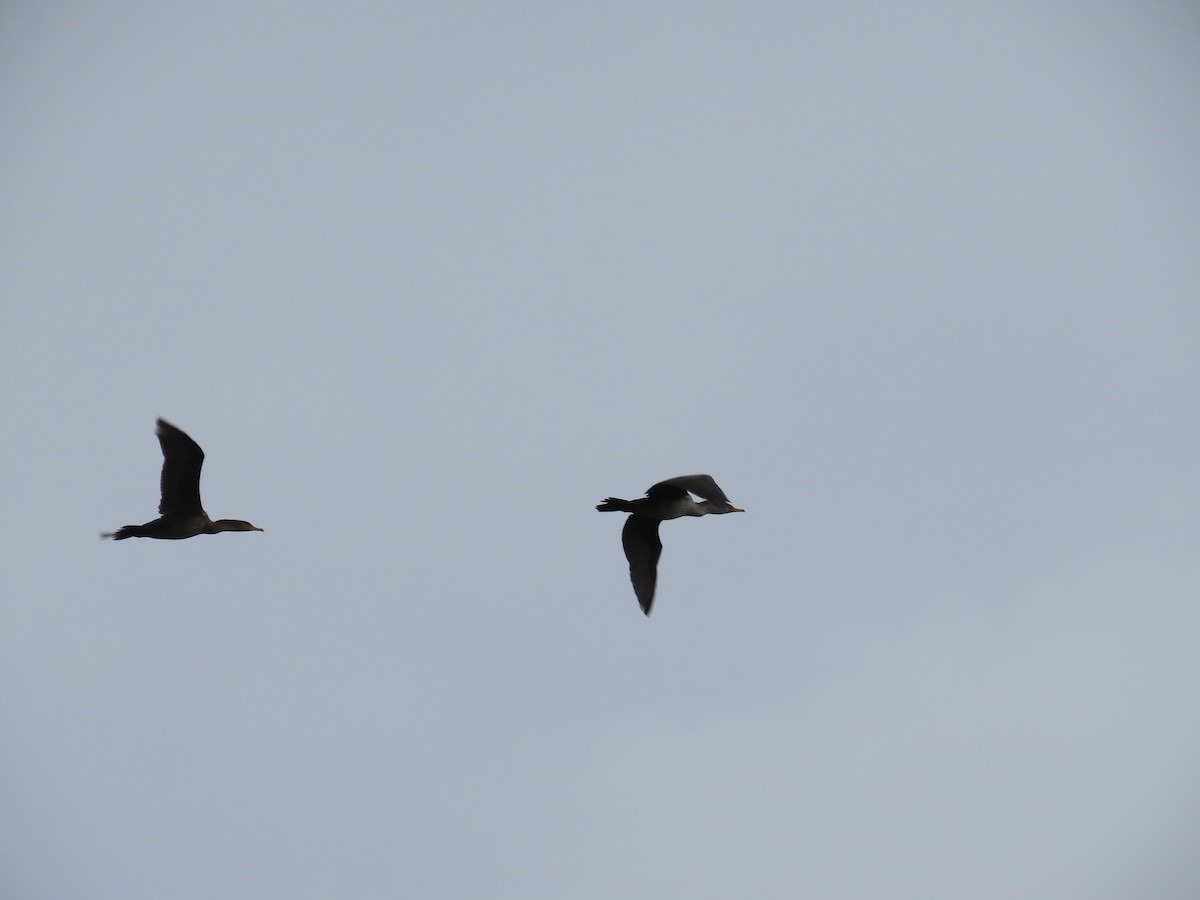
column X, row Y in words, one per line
column 120, row 534
column 615, row 504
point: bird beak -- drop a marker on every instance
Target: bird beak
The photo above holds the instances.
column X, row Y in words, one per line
column 259, row 529
column 734, row 509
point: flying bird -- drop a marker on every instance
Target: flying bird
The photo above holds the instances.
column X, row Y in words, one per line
column 181, row 515
column 668, row 499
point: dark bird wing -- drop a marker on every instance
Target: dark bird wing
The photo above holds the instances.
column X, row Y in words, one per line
column 702, row 486
column 182, row 459
column 639, row 537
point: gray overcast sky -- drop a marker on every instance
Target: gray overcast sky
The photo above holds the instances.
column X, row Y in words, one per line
column 917, row 283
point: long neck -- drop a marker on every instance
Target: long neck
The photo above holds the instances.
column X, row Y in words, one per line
column 687, row 506
column 229, row 525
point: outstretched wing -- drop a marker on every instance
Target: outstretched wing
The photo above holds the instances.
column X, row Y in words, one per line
column 182, row 459
column 702, row 486
column 639, row 537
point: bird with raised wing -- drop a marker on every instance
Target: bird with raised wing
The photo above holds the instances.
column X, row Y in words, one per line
column 181, row 515
column 668, row 499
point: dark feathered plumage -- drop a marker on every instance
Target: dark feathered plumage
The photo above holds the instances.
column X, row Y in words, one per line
column 668, row 499
column 181, row 515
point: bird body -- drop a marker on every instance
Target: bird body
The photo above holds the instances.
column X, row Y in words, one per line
column 181, row 515
column 660, row 508
column 670, row 499
column 176, row 528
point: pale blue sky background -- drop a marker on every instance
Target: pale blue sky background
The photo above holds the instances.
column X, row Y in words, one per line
column 918, row 283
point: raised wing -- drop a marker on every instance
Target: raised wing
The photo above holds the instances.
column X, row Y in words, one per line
column 182, row 459
column 639, row 537
column 702, row 486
